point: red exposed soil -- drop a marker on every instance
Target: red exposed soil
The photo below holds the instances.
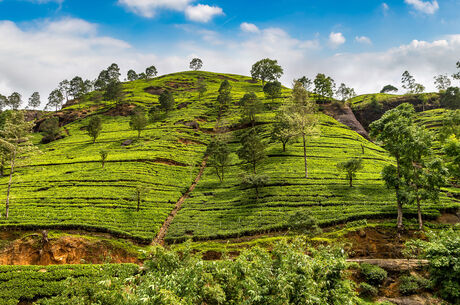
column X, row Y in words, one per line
column 154, row 90
column 190, row 142
column 159, row 239
column 121, row 110
column 34, row 250
column 448, row 218
column 378, row 242
column 179, row 85
column 227, row 78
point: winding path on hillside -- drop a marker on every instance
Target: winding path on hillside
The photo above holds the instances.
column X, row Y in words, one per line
column 159, row 239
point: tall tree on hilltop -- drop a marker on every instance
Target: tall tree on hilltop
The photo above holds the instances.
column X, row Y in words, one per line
column 344, row 93
column 196, row 64
column 64, row 87
column 324, row 86
column 224, row 98
column 14, row 101
column 34, row 101
column 442, row 82
column 306, row 82
column 303, row 118
column 55, row 99
column 132, row 75
column 15, row 139
column 457, row 75
column 266, row 70
column 388, row 88
column 151, row 72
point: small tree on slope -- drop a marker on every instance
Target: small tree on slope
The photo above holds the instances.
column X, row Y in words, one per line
column 350, row 167
column 15, row 139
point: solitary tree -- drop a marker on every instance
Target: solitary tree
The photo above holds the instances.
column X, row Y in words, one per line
column 255, row 181
column 94, row 127
column 324, row 86
column 392, row 130
column 451, row 98
column 408, row 83
column 306, row 82
column 166, row 100
column 79, row 87
column 141, row 192
column 132, row 75
column 250, row 107
column 224, row 98
column 389, row 88
column 14, row 100
column 55, row 99
column 114, row 91
column 457, row 75
column 281, row 128
column 15, row 139
column 50, row 129
column 344, row 93
column 303, row 118
column 266, row 70
column 196, row 64
column 252, row 150
column 34, row 100
column 138, row 121
column 350, row 167
column 103, row 154
column 201, row 87
column 419, row 88
column 442, row 82
column 272, row 89
column 219, row 156
column 151, row 72
column 64, row 87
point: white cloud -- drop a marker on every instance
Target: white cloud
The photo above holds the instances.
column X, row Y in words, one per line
column 38, row 58
column 149, row 8
column 426, row 7
column 249, row 27
column 336, row 39
column 363, row 39
column 202, row 12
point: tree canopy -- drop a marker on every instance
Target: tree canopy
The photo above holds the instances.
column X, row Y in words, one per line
column 266, row 70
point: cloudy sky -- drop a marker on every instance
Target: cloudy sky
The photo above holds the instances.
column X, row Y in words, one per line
column 365, row 44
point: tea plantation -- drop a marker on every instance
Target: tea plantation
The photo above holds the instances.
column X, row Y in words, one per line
column 65, row 187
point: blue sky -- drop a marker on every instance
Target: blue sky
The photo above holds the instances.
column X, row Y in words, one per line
column 365, row 44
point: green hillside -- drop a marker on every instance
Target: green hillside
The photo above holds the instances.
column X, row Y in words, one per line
column 65, row 187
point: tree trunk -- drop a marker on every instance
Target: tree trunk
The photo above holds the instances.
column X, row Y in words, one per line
column 305, row 155
column 2, row 167
column 419, row 212
column 351, row 180
column 222, row 171
column 400, row 211
column 7, row 206
column 284, row 146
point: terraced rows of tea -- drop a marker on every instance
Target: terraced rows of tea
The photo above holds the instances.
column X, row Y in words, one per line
column 221, row 210
column 66, row 187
